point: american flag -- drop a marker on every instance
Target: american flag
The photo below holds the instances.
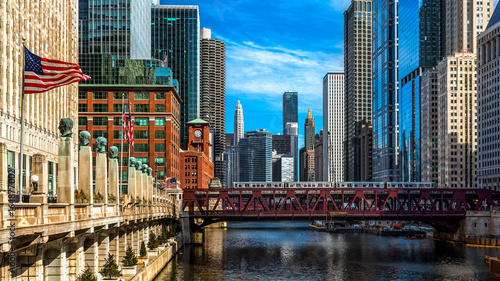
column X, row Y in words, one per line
column 41, row 74
column 172, row 183
column 130, row 126
column 124, row 123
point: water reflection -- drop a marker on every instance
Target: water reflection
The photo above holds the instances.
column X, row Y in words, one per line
column 289, row 251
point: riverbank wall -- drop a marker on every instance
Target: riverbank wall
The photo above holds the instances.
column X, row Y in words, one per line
column 156, row 264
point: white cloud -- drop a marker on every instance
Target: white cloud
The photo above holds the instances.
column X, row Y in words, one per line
column 340, row 5
column 265, row 72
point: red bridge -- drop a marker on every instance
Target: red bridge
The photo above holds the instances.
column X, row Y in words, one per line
column 441, row 208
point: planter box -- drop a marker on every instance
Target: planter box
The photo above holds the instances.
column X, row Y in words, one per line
column 129, row 270
column 152, row 253
column 162, row 247
column 143, row 260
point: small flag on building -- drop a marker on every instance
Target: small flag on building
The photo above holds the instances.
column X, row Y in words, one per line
column 172, row 183
column 164, row 185
column 41, row 74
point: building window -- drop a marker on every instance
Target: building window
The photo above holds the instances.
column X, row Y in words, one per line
column 100, row 96
column 100, row 107
column 160, row 96
column 160, row 135
column 125, row 148
column 160, row 121
column 82, row 95
column 141, row 121
column 141, row 107
column 141, row 135
column 141, row 96
column 100, row 133
column 82, row 121
column 160, row 175
column 160, row 161
column 117, row 135
column 100, row 121
column 160, row 147
column 124, row 175
column 82, row 107
column 120, row 96
column 160, row 108
column 118, row 107
column 117, row 121
column 141, row 147
column 144, row 160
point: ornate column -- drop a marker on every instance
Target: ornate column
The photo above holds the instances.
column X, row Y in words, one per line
column 114, row 183
column 3, row 170
column 40, row 169
column 131, row 179
column 101, row 169
column 85, row 166
column 66, row 181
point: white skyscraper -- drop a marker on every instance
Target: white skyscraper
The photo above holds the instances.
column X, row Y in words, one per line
column 333, row 126
column 238, row 124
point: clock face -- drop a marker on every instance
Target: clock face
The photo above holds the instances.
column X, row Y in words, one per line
column 197, row 133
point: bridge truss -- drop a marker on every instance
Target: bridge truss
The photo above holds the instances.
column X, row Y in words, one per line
column 442, row 208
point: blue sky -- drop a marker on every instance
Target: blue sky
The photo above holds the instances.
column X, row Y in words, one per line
column 273, row 47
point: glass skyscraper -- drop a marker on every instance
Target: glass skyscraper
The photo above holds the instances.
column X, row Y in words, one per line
column 385, row 88
column 290, row 108
column 120, row 28
column 421, row 46
column 175, row 32
column 255, row 156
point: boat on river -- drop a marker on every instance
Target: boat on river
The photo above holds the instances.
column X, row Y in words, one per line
column 493, row 264
column 318, row 226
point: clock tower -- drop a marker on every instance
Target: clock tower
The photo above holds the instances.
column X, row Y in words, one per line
column 199, row 136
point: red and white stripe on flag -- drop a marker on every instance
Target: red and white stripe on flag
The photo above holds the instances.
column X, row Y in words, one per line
column 41, row 74
column 130, row 127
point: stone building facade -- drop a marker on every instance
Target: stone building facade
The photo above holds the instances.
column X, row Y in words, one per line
column 50, row 30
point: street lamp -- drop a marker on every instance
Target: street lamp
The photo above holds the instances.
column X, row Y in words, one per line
column 34, row 180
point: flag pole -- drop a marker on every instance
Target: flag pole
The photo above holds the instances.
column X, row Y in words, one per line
column 128, row 140
column 121, row 158
column 22, row 131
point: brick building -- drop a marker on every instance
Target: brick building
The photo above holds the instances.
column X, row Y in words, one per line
column 196, row 168
column 155, row 111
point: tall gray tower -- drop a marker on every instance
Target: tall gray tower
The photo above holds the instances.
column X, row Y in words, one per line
column 239, row 127
column 213, row 94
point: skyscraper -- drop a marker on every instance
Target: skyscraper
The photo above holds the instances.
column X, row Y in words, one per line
column 175, row 38
column 421, row 46
column 309, row 131
column 255, row 156
column 385, row 89
column 333, row 125
column 290, row 108
column 430, row 125
column 239, row 125
column 358, row 86
column 119, row 28
column 292, row 130
column 213, row 94
column 488, row 82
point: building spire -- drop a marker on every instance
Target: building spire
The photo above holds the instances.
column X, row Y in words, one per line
column 309, row 113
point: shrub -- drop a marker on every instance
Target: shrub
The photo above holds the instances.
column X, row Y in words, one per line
column 110, row 268
column 143, row 252
column 153, row 242
column 130, row 258
column 87, row 275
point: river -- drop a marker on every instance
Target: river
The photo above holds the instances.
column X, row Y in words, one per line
column 290, row 251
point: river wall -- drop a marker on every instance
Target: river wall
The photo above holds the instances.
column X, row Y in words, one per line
column 156, row 264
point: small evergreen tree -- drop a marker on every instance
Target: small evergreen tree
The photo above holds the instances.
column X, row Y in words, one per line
column 153, row 243
column 110, row 268
column 143, row 252
column 130, row 258
column 87, row 275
